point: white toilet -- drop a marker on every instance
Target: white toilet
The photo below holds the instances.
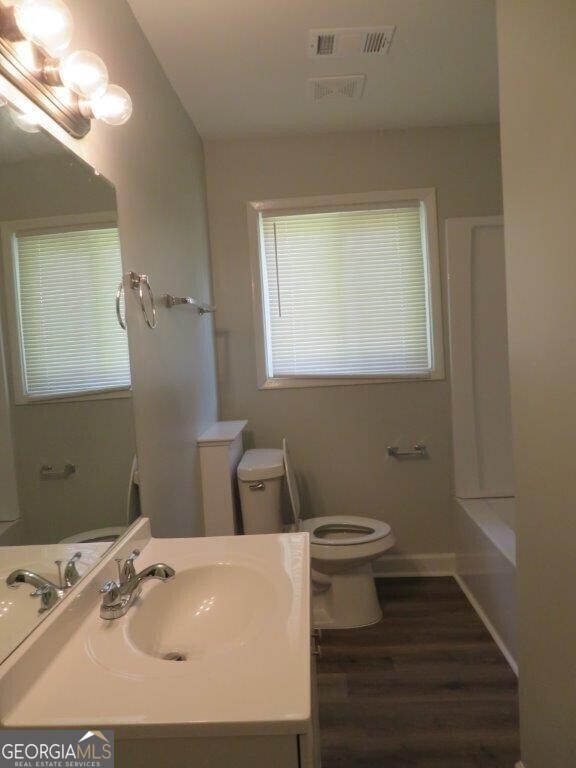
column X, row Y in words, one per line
column 342, row 547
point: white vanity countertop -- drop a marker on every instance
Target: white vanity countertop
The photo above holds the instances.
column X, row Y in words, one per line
column 238, row 609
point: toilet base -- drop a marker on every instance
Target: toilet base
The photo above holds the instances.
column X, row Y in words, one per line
column 349, row 602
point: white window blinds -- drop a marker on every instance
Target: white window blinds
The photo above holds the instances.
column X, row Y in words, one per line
column 71, row 342
column 346, row 293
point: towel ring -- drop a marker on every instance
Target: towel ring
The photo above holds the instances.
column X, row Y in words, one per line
column 151, row 322
column 119, row 294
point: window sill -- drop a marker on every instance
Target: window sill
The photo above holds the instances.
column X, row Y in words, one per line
column 112, row 394
column 297, row 382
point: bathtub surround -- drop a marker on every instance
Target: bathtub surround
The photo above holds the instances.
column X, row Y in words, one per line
column 538, row 113
column 481, row 425
column 338, row 435
column 486, row 567
column 155, row 162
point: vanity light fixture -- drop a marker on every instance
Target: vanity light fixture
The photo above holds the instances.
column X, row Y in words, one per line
column 82, row 72
column 72, row 87
column 47, row 23
column 113, row 107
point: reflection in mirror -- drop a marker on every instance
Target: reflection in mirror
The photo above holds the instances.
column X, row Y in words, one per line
column 68, row 472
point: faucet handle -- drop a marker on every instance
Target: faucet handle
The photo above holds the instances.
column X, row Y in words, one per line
column 48, row 595
column 129, row 571
column 71, row 575
column 111, row 592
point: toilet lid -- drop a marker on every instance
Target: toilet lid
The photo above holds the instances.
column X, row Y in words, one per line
column 340, row 530
column 292, row 487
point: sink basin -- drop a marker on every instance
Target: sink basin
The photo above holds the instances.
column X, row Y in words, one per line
column 201, row 611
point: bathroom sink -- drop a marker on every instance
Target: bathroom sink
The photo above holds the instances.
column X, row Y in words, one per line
column 201, row 611
column 223, row 648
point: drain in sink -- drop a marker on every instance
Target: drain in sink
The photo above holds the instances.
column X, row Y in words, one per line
column 174, row 656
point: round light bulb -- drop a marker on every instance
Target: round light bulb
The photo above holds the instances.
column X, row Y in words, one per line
column 26, row 122
column 84, row 73
column 114, row 107
column 48, row 23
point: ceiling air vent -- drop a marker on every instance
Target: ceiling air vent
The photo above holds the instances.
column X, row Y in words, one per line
column 355, row 41
column 325, row 44
column 375, row 41
column 336, row 88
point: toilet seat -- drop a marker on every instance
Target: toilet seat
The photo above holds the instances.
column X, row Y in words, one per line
column 339, row 530
column 97, row 534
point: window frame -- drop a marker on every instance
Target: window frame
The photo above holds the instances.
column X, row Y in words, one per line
column 8, row 233
column 426, row 199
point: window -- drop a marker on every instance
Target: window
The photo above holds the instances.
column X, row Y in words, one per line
column 347, row 289
column 66, row 339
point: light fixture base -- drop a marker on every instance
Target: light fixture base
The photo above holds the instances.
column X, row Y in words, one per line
column 8, row 27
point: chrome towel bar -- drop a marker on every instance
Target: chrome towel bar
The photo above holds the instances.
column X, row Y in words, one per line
column 173, row 301
column 419, row 451
column 48, row 472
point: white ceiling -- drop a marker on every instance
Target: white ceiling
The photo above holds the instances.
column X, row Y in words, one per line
column 241, row 66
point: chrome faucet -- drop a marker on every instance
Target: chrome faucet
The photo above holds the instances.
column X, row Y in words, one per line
column 48, row 592
column 118, row 596
column 45, row 589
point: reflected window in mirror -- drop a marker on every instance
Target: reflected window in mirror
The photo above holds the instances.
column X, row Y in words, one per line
column 63, row 275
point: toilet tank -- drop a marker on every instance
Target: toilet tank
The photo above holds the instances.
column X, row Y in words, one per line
column 260, row 474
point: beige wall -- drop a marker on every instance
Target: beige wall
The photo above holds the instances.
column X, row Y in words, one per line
column 156, row 163
column 339, row 435
column 537, row 54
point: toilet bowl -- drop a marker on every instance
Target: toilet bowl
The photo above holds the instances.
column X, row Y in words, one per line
column 342, row 547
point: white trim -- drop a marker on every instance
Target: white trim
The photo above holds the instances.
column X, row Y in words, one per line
column 426, row 197
column 8, row 231
column 397, row 566
column 487, row 623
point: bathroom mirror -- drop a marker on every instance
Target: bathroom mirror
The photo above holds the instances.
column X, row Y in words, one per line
column 68, row 470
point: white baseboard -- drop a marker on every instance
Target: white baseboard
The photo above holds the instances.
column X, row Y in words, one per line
column 490, row 627
column 394, row 566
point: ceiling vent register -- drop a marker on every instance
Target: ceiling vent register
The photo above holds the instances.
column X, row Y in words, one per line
column 355, row 41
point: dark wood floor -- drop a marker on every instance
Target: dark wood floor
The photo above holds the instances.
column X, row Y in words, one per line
column 425, row 688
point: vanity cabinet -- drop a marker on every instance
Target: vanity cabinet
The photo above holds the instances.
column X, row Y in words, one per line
column 242, row 751
column 213, row 752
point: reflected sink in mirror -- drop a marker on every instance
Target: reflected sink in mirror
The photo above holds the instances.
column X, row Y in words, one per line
column 18, row 610
column 202, row 611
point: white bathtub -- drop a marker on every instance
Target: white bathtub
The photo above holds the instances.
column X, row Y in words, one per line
column 486, row 566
